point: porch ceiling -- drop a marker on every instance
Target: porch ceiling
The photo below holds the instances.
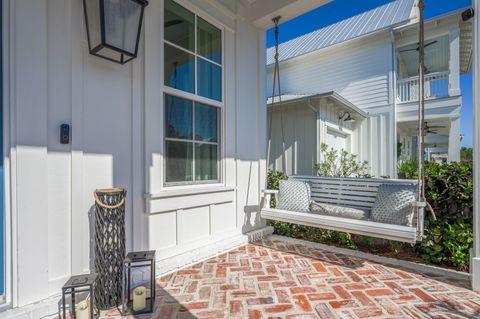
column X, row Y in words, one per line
column 441, row 126
column 437, row 57
column 466, row 46
column 262, row 12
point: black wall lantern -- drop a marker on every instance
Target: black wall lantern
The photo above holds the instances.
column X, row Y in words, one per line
column 114, row 28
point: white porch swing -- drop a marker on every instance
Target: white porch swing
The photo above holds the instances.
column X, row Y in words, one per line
column 346, row 194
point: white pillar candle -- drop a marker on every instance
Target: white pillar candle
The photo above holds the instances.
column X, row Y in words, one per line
column 139, row 298
column 82, row 310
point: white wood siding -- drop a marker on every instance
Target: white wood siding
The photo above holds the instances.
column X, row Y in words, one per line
column 116, row 117
column 362, row 71
column 303, row 137
column 358, row 70
column 299, row 126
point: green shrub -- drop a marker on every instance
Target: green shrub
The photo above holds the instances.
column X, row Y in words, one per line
column 407, row 168
column 466, row 154
column 341, row 164
column 447, row 242
column 449, row 189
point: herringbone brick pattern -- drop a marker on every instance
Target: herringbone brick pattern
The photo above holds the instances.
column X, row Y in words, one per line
column 275, row 279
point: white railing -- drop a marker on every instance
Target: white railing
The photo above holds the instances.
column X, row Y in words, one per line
column 436, row 86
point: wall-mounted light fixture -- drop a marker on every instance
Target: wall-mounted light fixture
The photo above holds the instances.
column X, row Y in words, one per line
column 114, row 28
column 346, row 117
column 468, row 14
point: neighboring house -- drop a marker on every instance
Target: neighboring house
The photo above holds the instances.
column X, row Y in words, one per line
column 190, row 153
column 366, row 67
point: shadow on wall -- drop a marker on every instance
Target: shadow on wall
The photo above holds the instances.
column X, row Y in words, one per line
column 252, row 218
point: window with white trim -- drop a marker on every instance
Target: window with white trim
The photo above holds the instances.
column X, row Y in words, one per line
column 193, row 97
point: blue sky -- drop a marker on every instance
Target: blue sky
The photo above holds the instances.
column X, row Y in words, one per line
column 341, row 9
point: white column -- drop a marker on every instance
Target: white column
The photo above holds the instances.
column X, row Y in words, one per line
column 454, row 78
column 454, row 141
column 475, row 254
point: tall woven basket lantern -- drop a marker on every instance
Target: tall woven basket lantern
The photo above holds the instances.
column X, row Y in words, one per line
column 109, row 245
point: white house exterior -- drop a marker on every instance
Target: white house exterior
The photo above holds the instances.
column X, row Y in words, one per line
column 370, row 62
column 118, row 138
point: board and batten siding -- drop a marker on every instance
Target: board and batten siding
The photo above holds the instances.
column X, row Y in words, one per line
column 299, row 129
column 357, row 70
column 360, row 70
column 116, row 118
column 303, row 137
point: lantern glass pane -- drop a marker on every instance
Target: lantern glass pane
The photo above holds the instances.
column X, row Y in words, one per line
column 122, row 22
column 179, row 26
column 209, row 41
column 92, row 11
column 140, row 277
column 110, row 54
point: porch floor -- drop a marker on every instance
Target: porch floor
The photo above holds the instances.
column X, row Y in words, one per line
column 278, row 279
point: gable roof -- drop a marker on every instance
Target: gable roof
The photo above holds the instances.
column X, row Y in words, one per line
column 391, row 14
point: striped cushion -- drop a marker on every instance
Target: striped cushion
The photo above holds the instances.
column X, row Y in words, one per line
column 294, row 196
column 393, row 204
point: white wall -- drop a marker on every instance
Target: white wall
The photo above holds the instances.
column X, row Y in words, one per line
column 304, row 133
column 299, row 127
column 357, row 70
column 361, row 71
column 116, row 115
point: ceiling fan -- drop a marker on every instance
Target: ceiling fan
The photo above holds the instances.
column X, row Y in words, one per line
column 418, row 47
column 432, row 129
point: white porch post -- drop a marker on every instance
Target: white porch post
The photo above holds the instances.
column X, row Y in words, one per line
column 454, row 78
column 475, row 261
column 454, row 141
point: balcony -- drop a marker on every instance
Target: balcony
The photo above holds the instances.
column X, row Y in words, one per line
column 436, row 86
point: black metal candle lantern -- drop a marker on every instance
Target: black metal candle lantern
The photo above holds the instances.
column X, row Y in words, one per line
column 138, row 294
column 114, row 28
column 80, row 289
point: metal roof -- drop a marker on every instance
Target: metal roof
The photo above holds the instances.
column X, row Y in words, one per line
column 292, row 98
column 392, row 14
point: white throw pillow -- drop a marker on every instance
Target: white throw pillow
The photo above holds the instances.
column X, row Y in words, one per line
column 294, row 196
column 393, row 204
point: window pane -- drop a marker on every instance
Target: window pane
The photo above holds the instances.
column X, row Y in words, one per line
column 209, row 80
column 179, row 69
column 178, row 117
column 179, row 25
column 206, row 123
column 206, row 162
column 209, row 41
column 178, row 162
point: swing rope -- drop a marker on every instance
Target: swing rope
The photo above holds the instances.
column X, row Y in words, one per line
column 276, row 86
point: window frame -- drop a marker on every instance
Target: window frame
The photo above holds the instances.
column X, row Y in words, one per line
column 195, row 98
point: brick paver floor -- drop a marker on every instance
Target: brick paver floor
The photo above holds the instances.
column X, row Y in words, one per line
column 276, row 279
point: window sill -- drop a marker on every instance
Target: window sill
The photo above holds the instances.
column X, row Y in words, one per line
column 190, row 191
